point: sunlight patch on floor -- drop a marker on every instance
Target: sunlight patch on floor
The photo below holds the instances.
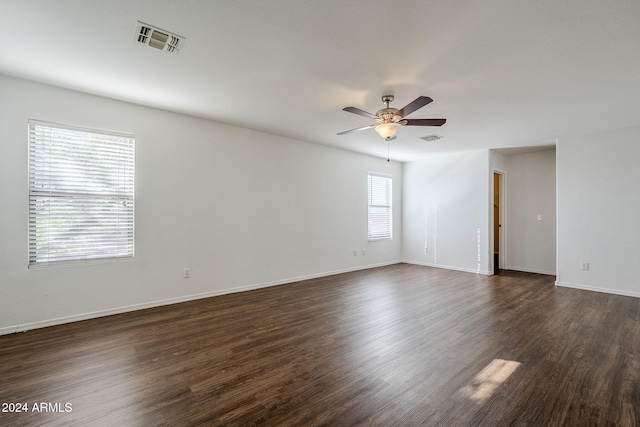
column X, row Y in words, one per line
column 489, row 379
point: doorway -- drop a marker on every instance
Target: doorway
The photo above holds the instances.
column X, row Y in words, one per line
column 499, row 220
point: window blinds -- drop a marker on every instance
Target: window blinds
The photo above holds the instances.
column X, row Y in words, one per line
column 380, row 207
column 81, row 194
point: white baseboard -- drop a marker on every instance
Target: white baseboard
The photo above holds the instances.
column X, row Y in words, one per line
column 597, row 289
column 101, row 313
column 447, row 267
column 531, row 270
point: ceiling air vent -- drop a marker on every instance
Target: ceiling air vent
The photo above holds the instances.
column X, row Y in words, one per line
column 430, row 138
column 157, row 38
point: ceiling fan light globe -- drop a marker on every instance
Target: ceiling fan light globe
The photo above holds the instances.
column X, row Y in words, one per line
column 387, row 130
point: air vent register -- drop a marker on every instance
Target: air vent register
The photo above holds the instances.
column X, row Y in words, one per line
column 155, row 37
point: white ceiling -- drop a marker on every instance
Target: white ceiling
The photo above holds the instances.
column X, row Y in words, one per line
column 505, row 73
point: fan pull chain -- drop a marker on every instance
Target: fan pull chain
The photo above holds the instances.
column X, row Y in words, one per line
column 387, row 150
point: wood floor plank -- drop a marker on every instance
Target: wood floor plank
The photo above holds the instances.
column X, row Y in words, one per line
column 400, row 345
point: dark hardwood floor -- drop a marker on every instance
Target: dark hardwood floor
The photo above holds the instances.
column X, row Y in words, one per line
column 395, row 346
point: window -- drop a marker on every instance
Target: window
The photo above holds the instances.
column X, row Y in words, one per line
column 80, row 194
column 380, row 209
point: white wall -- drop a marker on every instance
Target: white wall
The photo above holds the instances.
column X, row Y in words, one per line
column 599, row 211
column 241, row 208
column 445, row 210
column 531, row 191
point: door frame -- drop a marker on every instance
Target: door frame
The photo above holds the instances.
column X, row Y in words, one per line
column 502, row 209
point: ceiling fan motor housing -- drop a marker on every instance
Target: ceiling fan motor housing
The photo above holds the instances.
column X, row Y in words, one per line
column 388, row 114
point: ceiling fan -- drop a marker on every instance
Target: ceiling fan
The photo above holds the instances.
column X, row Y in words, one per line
column 389, row 120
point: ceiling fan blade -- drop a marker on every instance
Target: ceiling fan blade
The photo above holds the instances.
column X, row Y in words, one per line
column 425, row 122
column 360, row 112
column 414, row 105
column 356, row 129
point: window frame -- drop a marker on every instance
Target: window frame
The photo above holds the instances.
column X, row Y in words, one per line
column 121, row 229
column 372, row 235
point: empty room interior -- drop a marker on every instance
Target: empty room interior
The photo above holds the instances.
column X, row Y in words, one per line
column 293, row 213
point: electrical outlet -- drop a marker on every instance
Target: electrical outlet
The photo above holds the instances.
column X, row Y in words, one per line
column 186, row 273
column 364, row 252
column 584, row 266
column 355, row 253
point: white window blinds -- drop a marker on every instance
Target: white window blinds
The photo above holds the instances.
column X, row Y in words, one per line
column 380, row 207
column 81, row 188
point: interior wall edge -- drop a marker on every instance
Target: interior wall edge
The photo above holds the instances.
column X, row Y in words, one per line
column 598, row 289
column 531, row 270
column 448, row 267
